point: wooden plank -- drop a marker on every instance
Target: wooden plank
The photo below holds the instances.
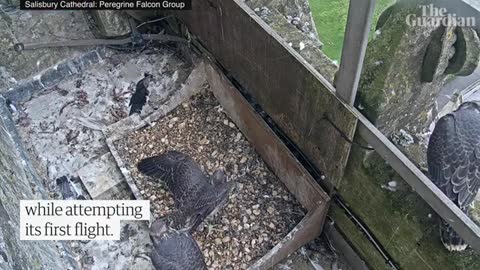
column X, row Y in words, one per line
column 444, row 207
column 355, row 42
column 261, row 61
column 267, row 144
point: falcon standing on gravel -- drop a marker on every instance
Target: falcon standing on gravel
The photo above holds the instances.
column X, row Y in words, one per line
column 174, row 248
column 453, row 158
column 195, row 194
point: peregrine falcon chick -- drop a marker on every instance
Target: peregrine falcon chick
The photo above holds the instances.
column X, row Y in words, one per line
column 194, row 193
column 174, row 249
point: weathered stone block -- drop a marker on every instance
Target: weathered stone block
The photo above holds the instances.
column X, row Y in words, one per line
column 18, row 181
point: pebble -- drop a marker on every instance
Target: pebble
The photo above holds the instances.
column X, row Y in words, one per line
column 392, row 184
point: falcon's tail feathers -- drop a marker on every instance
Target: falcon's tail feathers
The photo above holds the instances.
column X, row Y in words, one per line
column 450, row 239
column 149, row 166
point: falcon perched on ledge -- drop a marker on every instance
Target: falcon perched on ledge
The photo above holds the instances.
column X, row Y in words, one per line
column 453, row 158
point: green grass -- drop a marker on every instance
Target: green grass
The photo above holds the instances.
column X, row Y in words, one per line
column 330, row 19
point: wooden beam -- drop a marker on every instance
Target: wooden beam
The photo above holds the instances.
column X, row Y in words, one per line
column 267, row 144
column 283, row 83
column 429, row 192
column 355, row 42
column 307, row 230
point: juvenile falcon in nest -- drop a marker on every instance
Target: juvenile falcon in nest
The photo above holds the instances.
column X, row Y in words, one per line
column 195, row 194
column 173, row 247
column 453, row 157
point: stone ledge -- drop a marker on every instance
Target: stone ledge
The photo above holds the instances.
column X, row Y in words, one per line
column 305, row 43
column 31, row 27
column 52, row 76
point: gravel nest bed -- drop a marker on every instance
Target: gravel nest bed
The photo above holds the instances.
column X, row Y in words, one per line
column 260, row 210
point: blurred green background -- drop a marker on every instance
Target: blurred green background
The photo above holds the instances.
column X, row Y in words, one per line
column 330, row 19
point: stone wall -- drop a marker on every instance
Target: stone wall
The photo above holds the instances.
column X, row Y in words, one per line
column 397, row 98
column 32, row 27
column 18, row 180
column 293, row 21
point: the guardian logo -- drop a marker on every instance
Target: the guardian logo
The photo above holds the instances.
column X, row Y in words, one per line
column 433, row 17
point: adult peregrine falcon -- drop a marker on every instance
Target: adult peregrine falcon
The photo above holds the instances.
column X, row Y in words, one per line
column 453, row 158
column 195, row 194
column 174, row 249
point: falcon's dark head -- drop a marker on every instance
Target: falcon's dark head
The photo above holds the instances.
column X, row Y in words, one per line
column 470, row 105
